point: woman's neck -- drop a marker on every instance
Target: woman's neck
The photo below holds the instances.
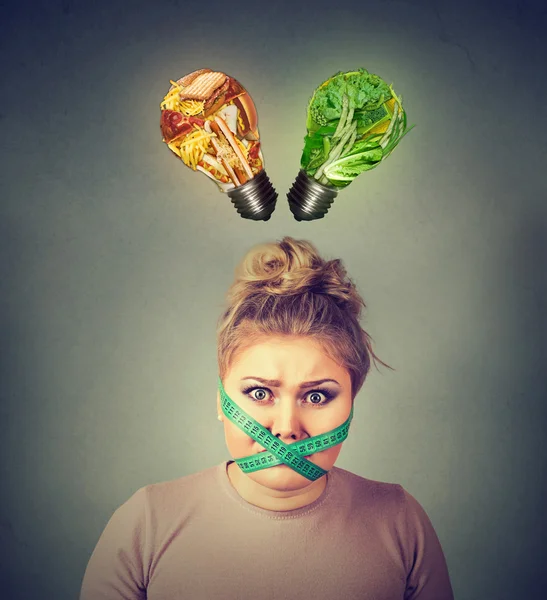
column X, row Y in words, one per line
column 263, row 497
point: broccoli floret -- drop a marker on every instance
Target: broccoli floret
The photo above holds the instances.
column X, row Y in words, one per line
column 317, row 115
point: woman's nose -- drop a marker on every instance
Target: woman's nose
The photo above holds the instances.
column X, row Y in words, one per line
column 286, row 423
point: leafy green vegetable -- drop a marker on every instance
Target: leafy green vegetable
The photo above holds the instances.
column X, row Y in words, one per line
column 341, row 113
column 317, row 158
column 328, row 129
column 364, row 90
column 349, row 167
column 363, row 145
column 312, row 144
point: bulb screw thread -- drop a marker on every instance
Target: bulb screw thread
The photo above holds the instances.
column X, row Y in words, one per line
column 256, row 198
column 308, row 199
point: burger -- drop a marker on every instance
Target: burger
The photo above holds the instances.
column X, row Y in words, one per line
column 204, row 92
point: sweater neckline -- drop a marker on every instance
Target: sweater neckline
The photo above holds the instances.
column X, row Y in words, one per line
column 326, row 495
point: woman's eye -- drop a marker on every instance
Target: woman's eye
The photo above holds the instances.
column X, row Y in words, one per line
column 259, row 394
column 316, row 398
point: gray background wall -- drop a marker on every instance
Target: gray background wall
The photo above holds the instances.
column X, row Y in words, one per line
column 115, row 259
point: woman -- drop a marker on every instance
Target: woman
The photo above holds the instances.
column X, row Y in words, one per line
column 279, row 520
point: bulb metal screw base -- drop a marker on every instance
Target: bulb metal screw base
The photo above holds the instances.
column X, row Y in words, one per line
column 256, row 198
column 308, row 199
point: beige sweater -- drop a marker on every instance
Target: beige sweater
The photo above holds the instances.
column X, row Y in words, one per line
column 195, row 538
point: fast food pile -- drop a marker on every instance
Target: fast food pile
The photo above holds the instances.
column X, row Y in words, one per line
column 210, row 122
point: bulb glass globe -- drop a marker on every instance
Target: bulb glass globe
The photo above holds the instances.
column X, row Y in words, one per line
column 354, row 121
column 209, row 121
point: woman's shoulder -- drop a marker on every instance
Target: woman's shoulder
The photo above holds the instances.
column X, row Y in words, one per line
column 391, row 500
column 186, row 487
column 370, row 492
column 372, row 485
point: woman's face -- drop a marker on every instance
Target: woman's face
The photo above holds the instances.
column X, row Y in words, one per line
column 292, row 388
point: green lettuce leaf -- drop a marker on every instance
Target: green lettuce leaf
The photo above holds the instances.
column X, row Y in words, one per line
column 349, row 167
column 314, row 150
column 365, row 92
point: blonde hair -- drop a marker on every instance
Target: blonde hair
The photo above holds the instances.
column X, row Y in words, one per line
column 286, row 288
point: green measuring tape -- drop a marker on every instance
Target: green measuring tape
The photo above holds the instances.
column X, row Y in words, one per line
column 277, row 452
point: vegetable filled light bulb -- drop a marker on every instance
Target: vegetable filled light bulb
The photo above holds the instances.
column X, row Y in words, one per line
column 354, row 122
column 209, row 121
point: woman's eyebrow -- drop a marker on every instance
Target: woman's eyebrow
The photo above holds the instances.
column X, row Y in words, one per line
column 275, row 383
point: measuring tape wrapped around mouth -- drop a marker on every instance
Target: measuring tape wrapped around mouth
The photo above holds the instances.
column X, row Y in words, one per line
column 277, row 452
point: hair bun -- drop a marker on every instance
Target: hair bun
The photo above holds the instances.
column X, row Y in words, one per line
column 293, row 267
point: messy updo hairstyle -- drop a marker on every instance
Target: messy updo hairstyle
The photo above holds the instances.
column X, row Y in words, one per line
column 286, row 288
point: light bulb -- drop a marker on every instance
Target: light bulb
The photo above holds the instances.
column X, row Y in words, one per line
column 354, row 121
column 209, row 121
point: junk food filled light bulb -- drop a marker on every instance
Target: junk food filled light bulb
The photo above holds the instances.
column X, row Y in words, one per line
column 355, row 120
column 210, row 122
